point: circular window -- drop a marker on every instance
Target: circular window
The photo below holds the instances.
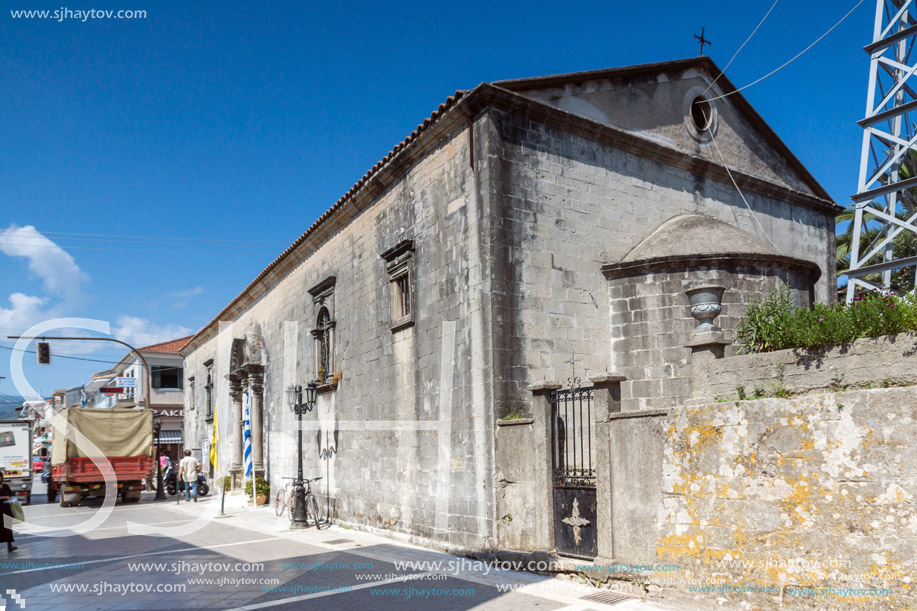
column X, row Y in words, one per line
column 700, row 114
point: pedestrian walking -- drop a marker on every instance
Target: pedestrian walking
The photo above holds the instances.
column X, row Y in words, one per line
column 6, row 534
column 187, row 472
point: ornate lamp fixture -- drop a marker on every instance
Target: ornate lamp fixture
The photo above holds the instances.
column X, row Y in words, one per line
column 300, row 407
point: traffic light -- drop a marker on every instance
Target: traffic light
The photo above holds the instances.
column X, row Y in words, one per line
column 43, row 353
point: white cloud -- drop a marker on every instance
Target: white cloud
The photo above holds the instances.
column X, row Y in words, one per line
column 140, row 332
column 26, row 310
column 182, row 297
column 55, row 267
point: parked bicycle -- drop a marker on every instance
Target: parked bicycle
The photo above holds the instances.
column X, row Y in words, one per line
column 286, row 499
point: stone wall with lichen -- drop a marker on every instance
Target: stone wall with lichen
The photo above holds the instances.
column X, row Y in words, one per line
column 872, row 362
column 809, row 500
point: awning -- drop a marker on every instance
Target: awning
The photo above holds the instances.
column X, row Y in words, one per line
column 168, row 437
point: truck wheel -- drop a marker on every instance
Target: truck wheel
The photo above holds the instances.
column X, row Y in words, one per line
column 52, row 493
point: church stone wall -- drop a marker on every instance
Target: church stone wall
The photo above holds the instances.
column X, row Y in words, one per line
column 563, row 207
column 568, row 205
column 651, row 324
column 375, row 439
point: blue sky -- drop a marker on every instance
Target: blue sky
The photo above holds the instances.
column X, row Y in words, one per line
column 229, row 127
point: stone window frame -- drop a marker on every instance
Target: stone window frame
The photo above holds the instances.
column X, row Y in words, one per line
column 208, row 390
column 323, row 334
column 399, row 264
column 191, row 391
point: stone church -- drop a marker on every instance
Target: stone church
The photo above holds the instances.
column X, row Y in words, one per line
column 497, row 313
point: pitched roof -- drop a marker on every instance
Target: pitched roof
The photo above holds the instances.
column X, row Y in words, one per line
column 421, row 128
column 173, row 345
column 701, row 62
column 486, row 91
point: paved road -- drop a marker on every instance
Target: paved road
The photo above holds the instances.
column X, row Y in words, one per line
column 250, row 559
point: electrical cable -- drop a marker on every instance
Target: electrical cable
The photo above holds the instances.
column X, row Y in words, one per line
column 742, row 195
column 61, row 356
column 158, row 252
column 59, row 240
column 134, row 237
column 723, row 71
column 791, row 60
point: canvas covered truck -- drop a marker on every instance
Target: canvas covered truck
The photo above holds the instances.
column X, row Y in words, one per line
column 16, row 457
column 123, row 436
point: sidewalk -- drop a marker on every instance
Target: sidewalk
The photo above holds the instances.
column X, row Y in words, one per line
column 388, row 549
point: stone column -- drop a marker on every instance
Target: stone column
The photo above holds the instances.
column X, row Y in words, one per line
column 235, row 468
column 606, row 401
column 256, row 380
column 544, row 492
column 705, row 349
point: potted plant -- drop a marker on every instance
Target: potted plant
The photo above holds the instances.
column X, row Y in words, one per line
column 262, row 490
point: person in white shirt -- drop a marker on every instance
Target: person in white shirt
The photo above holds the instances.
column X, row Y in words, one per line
column 187, row 472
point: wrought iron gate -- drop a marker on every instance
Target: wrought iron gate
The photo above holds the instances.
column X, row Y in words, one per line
column 573, row 473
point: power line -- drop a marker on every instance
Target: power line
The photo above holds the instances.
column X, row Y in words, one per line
column 741, row 47
column 158, row 252
column 104, row 235
column 61, row 356
column 792, row 59
column 157, row 242
column 742, row 195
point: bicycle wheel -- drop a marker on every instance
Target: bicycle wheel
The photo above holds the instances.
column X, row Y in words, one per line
column 291, row 501
column 279, row 503
column 312, row 505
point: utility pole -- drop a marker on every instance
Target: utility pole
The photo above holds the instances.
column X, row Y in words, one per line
column 888, row 159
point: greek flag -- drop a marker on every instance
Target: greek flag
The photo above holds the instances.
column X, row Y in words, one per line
column 247, row 437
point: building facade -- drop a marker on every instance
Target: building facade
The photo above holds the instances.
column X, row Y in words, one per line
column 530, row 236
column 167, row 382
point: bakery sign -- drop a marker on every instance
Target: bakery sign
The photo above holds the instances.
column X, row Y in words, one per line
column 174, row 413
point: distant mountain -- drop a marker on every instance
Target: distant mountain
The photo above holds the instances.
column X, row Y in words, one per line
column 8, row 405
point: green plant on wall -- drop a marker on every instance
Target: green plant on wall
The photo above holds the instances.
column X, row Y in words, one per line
column 780, row 389
column 837, row 381
column 775, row 323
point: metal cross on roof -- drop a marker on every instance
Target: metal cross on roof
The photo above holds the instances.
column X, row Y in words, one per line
column 703, row 41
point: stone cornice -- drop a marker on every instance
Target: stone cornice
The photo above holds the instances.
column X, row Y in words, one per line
column 636, row 268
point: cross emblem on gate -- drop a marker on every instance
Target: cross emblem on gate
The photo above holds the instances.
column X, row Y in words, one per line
column 576, row 521
column 573, row 382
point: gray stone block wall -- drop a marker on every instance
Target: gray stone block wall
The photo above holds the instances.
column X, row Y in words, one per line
column 651, row 323
column 563, row 207
column 888, row 360
column 379, row 476
column 510, row 252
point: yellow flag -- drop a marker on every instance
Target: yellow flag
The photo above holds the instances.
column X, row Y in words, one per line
column 216, row 438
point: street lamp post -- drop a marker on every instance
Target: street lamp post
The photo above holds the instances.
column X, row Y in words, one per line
column 300, row 407
column 157, row 429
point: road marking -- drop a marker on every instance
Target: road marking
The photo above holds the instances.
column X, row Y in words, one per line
column 159, row 553
column 361, row 586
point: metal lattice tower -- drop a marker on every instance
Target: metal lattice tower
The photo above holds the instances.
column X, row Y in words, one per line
column 887, row 191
